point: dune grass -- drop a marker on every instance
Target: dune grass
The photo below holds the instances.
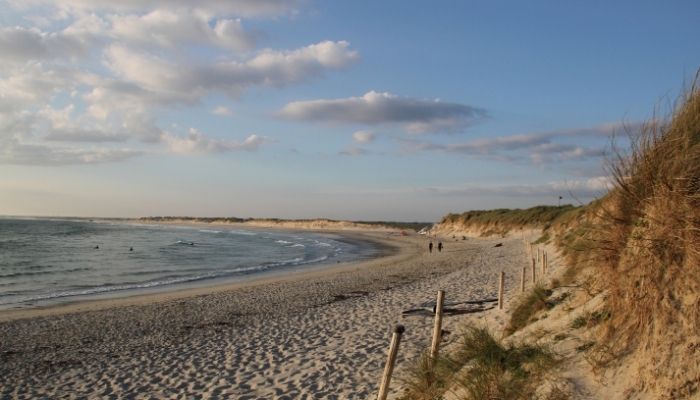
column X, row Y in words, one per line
column 650, row 239
column 482, row 368
column 501, row 221
column 528, row 306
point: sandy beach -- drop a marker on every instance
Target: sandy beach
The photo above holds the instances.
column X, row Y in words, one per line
column 318, row 334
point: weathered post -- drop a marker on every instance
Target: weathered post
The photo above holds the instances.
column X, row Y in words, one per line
column 522, row 280
column 437, row 328
column 534, row 278
column 542, row 264
column 501, row 285
column 390, row 362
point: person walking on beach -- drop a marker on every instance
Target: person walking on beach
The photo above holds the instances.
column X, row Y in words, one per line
column 430, row 247
column 440, row 246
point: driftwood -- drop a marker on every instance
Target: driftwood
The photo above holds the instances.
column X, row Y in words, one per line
column 429, row 308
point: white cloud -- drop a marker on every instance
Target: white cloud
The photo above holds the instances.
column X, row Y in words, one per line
column 374, row 108
column 583, row 188
column 242, row 8
column 12, row 151
column 172, row 28
column 197, row 143
column 542, row 148
column 363, row 136
column 82, row 77
column 222, row 111
column 188, row 83
column 18, row 44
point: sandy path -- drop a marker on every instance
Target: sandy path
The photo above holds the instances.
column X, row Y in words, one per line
column 322, row 337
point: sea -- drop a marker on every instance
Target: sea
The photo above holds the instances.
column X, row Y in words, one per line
column 49, row 261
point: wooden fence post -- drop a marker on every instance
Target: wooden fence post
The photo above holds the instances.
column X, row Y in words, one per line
column 542, row 264
column 437, row 328
column 533, row 272
column 501, row 285
column 522, row 280
column 390, row 362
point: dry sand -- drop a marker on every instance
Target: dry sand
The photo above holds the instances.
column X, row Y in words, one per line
column 313, row 335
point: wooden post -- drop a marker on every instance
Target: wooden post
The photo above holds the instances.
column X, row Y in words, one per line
column 546, row 263
column 501, row 285
column 437, row 328
column 544, row 258
column 522, row 280
column 390, row 361
column 533, row 272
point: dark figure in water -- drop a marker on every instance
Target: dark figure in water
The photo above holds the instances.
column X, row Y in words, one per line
column 97, row 247
column 440, row 246
column 131, row 249
column 430, row 247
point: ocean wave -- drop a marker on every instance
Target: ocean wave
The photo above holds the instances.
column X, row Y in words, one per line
column 244, row 233
column 34, row 272
column 209, row 231
column 108, row 288
column 282, row 242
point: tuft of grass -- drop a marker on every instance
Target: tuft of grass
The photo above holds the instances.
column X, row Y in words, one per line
column 579, row 322
column 560, row 336
column 585, row 346
column 543, row 239
column 590, row 319
column 426, row 380
column 498, row 371
column 523, row 313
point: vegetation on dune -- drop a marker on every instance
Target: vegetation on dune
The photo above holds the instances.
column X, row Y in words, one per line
column 648, row 249
column 502, row 220
column 528, row 305
column 482, row 367
column 639, row 246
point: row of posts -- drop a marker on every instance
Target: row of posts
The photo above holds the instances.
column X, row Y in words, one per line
column 540, row 258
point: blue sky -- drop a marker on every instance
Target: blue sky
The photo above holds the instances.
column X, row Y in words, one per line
column 388, row 110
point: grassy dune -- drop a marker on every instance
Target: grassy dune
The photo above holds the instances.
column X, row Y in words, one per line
column 637, row 250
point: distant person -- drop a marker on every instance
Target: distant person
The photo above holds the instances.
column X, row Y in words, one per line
column 430, row 247
column 131, row 249
column 97, row 247
column 440, row 246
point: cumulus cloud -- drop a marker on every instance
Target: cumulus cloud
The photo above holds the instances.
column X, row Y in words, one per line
column 267, row 68
column 18, row 44
column 171, row 28
column 80, row 78
column 375, row 108
column 363, row 136
column 242, row 8
column 197, row 143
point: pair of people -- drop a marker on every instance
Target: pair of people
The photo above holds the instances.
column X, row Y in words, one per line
column 430, row 247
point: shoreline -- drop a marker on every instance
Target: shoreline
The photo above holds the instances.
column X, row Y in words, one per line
column 317, row 334
column 378, row 239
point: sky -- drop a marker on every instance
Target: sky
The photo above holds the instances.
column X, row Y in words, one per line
column 363, row 110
